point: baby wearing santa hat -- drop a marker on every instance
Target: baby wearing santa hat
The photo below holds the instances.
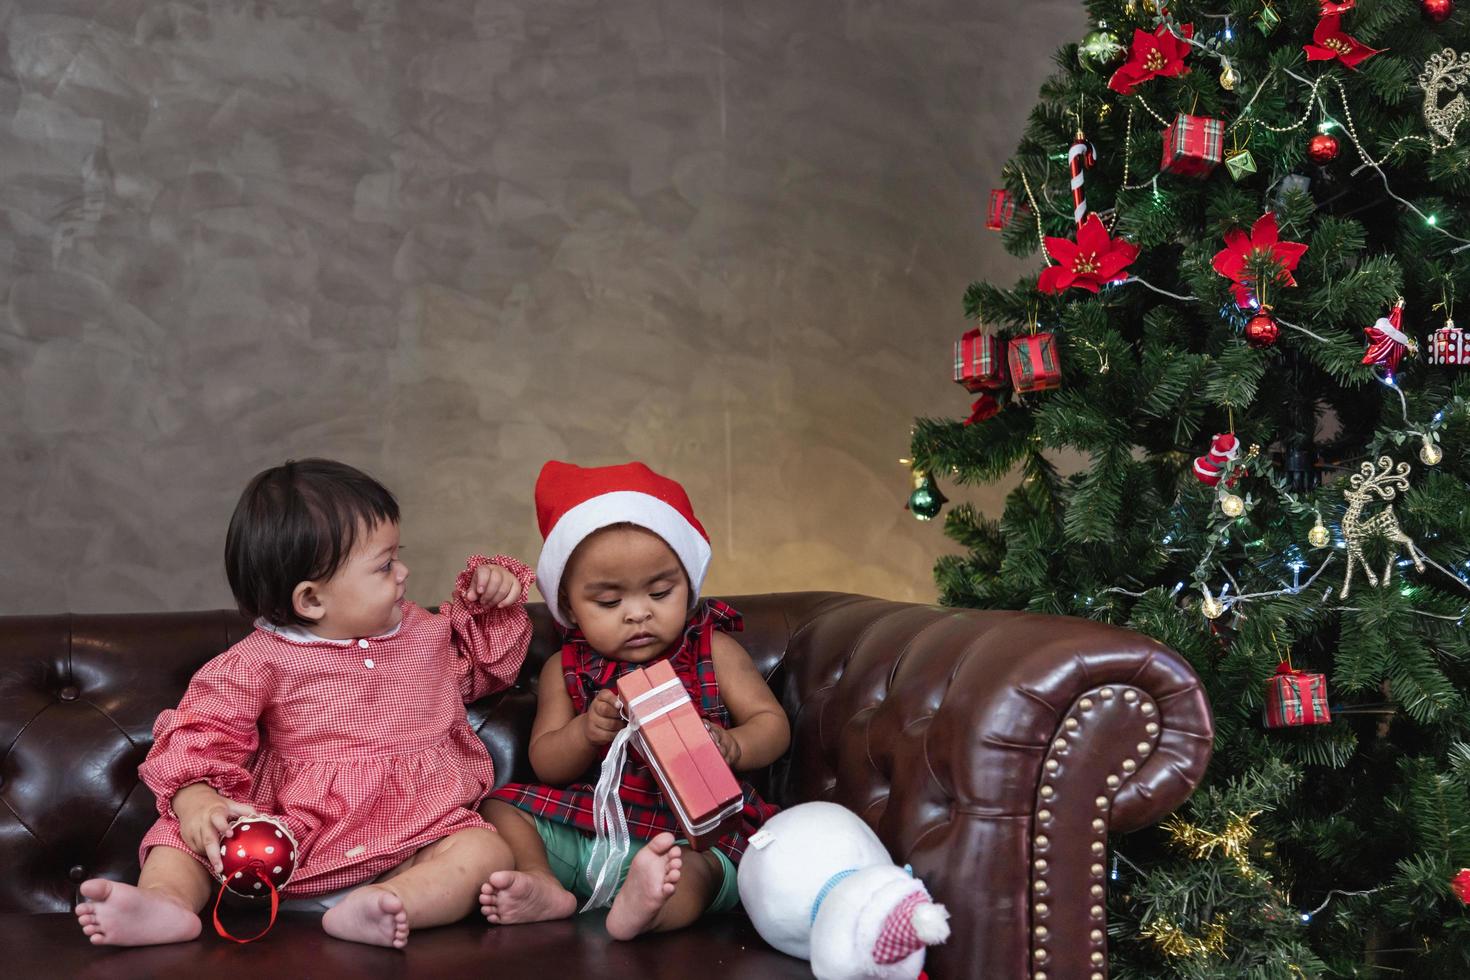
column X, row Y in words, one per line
column 621, row 571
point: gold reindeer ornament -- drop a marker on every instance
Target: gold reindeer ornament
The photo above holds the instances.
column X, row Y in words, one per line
column 1386, row 480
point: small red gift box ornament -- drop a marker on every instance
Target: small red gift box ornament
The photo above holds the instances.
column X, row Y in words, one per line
column 1294, row 698
column 258, row 857
column 1034, row 363
column 1193, row 145
column 1002, row 206
column 978, row 362
column 1447, row 346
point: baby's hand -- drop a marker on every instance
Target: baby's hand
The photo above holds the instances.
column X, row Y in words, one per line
column 204, row 816
column 493, row 587
column 729, row 748
column 603, row 721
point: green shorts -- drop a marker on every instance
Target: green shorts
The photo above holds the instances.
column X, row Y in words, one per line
column 569, row 851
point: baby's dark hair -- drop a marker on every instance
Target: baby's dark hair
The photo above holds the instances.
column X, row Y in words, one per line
column 297, row 523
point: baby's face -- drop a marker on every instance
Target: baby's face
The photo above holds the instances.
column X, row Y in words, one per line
column 625, row 589
column 364, row 596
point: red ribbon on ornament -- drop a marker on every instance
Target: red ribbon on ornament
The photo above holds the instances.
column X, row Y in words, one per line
column 219, row 927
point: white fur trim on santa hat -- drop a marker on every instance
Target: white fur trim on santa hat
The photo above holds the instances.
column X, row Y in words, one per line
column 619, row 507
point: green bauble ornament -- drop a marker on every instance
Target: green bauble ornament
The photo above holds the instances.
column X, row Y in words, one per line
column 1099, row 50
column 926, row 501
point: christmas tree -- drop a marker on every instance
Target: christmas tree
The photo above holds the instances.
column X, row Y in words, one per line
column 1252, row 225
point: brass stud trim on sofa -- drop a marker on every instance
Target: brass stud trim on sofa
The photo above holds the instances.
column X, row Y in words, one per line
column 1066, row 784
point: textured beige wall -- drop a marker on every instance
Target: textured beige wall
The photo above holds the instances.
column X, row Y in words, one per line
column 446, row 241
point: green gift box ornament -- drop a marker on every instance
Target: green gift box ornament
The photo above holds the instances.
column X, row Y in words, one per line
column 1266, row 19
column 1241, row 164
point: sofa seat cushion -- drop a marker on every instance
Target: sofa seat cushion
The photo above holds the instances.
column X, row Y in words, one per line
column 724, row 946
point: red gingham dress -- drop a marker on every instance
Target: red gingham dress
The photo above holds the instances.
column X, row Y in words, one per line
column 586, row 672
column 363, row 749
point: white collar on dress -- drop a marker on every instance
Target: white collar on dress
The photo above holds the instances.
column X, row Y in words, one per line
column 298, row 634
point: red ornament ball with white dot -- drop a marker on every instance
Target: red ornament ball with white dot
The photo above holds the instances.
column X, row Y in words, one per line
column 1261, row 331
column 1436, row 11
column 255, row 850
column 1322, row 149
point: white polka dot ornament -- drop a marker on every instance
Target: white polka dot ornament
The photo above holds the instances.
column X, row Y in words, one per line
column 258, row 854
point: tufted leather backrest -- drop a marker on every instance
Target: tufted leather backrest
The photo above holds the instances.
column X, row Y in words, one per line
column 79, row 694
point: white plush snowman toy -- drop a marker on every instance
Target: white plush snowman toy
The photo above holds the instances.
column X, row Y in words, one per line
column 818, row 884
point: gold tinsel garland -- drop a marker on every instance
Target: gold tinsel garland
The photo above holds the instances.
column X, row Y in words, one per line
column 1174, row 942
column 1232, row 842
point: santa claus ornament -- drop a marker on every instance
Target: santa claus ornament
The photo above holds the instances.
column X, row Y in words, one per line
column 1224, row 450
column 1387, row 342
column 257, row 857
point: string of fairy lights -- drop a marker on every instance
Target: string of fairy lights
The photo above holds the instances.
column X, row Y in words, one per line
column 1229, row 595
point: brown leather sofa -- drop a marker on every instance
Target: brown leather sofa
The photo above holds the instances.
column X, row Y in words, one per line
column 993, row 751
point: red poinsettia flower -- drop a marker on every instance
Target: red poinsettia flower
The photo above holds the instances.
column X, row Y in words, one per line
column 985, row 407
column 1461, row 885
column 1094, row 259
column 1329, row 41
column 1159, row 53
column 1241, row 252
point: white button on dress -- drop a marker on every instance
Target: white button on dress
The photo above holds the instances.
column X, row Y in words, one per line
column 368, row 663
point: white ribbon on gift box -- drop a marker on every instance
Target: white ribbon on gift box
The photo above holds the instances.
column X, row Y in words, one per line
column 608, row 819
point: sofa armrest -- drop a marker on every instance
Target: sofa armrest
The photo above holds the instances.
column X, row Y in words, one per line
column 994, row 752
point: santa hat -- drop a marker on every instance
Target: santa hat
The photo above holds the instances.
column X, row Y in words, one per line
column 574, row 501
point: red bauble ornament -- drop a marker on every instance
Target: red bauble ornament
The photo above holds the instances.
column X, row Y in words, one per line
column 256, row 851
column 1436, row 11
column 1461, row 885
column 1261, row 330
column 1322, row 149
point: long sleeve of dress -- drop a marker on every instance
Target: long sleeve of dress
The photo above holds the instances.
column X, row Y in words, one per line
column 489, row 644
column 212, row 735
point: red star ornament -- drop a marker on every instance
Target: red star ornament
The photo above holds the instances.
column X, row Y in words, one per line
column 1240, row 250
column 1161, row 53
column 1090, row 262
column 1329, row 41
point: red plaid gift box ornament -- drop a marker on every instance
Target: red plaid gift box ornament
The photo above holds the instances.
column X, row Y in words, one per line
column 1034, row 363
column 1447, row 346
column 1193, row 145
column 1002, row 206
column 978, row 362
column 1294, row 698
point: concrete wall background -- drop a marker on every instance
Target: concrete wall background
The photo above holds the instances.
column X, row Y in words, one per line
column 446, row 241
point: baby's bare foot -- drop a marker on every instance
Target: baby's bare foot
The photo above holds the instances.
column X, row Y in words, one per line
column 651, row 879
column 371, row 915
column 122, row 915
column 510, row 897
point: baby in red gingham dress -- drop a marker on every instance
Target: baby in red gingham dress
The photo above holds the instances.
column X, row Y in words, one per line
column 341, row 714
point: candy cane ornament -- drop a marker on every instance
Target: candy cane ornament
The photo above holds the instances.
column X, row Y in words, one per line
column 1079, row 157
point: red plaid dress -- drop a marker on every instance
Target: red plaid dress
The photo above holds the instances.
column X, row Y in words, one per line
column 362, row 747
column 587, row 672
